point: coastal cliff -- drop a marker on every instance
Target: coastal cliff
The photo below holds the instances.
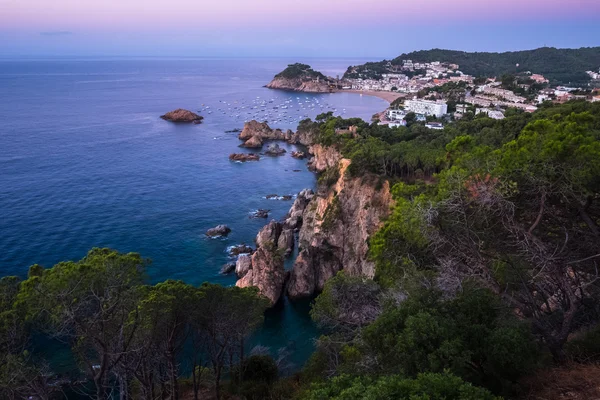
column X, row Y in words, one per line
column 337, row 225
column 302, row 78
column 333, row 226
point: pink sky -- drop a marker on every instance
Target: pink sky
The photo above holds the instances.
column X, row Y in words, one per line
column 198, row 15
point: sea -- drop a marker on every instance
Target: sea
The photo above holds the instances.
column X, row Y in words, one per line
column 85, row 161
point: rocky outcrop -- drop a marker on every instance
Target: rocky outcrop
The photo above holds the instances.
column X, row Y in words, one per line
column 293, row 219
column 236, row 250
column 243, row 157
column 265, row 269
column 285, row 197
column 268, row 234
column 303, row 78
column 228, row 268
column 181, row 115
column 336, row 226
column 275, row 150
column 312, row 269
column 305, row 134
column 266, row 272
column 286, row 241
column 255, row 133
column 219, row 230
column 301, row 84
column 255, row 142
column 300, row 155
column 323, row 158
column 275, row 241
column 260, row 213
column 242, row 265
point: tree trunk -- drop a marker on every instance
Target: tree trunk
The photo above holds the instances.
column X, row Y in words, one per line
column 218, row 382
column 173, row 378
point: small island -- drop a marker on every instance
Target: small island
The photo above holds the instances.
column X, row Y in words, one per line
column 182, row 115
column 302, row 78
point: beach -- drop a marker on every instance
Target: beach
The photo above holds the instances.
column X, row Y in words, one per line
column 387, row 96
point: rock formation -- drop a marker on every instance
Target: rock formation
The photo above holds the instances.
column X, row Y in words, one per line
column 255, row 133
column 255, row 142
column 302, row 78
column 228, row 268
column 266, row 272
column 323, row 158
column 236, row 250
column 242, row 265
column 260, row 213
column 298, row 154
column 219, row 230
column 336, row 226
column 243, row 157
column 276, row 240
column 181, row 115
column 274, row 150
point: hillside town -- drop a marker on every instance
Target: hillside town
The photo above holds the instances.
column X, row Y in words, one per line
column 439, row 92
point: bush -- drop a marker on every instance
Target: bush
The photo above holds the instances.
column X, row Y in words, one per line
column 425, row 386
column 586, row 347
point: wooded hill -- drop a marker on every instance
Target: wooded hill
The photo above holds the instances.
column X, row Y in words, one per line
column 560, row 66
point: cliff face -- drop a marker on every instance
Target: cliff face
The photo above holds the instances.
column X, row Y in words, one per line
column 336, row 227
column 323, row 158
column 300, row 84
column 305, row 135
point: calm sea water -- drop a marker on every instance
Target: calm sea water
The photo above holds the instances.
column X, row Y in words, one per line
column 85, row 161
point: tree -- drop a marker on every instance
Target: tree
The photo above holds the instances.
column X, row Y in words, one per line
column 520, row 220
column 471, row 335
column 164, row 320
column 91, row 304
column 19, row 376
column 228, row 316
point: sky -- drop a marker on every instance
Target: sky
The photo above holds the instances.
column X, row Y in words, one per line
column 271, row 28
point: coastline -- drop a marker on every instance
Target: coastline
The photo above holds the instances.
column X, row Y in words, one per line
column 387, row 96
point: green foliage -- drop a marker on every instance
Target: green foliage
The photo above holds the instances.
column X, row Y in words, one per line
column 329, row 176
column 471, row 336
column 428, row 386
column 119, row 328
column 566, row 66
column 498, row 206
column 302, row 71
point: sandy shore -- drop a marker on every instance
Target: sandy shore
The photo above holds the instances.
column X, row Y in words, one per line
column 387, row 96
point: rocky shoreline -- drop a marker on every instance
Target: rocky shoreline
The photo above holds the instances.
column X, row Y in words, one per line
column 330, row 228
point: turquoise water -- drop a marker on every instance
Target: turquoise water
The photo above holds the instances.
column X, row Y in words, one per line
column 86, row 161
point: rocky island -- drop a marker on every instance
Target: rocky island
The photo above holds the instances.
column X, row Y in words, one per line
column 302, row 78
column 181, row 115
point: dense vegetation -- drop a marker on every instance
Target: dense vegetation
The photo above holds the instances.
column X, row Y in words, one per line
column 486, row 267
column 560, row 66
column 128, row 339
column 302, row 71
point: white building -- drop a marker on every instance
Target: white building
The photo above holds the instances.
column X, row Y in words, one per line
column 397, row 124
column 395, row 115
column 434, row 125
column 427, row 107
column 494, row 114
